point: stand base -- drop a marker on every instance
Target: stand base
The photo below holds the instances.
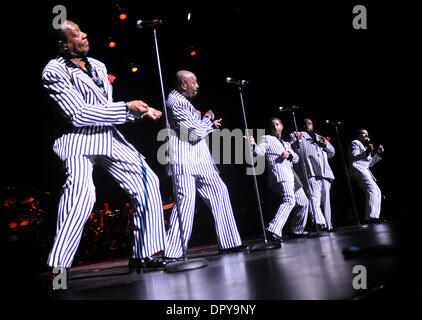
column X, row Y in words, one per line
column 266, row 246
column 186, row 265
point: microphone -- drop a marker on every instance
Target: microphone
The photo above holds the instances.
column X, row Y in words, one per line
column 148, row 23
column 366, row 141
column 237, row 82
column 289, row 108
column 333, row 123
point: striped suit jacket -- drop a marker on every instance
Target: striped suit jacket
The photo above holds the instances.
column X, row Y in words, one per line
column 280, row 169
column 89, row 112
column 315, row 157
column 190, row 152
column 360, row 161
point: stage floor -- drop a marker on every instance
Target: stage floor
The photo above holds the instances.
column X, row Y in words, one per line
column 303, row 269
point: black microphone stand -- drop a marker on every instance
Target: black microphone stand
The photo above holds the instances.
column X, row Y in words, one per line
column 266, row 245
column 184, row 264
column 346, row 171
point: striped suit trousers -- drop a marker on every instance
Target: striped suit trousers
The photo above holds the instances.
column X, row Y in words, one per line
column 372, row 192
column 300, row 212
column 285, row 190
column 213, row 190
column 320, row 197
column 131, row 172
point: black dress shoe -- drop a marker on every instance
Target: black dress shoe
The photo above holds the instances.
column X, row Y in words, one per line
column 234, row 249
column 136, row 264
column 170, row 260
column 155, row 263
column 322, row 227
column 272, row 236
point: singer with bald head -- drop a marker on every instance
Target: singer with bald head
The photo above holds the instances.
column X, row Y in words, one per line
column 283, row 181
column 315, row 151
column 362, row 157
column 194, row 170
column 79, row 89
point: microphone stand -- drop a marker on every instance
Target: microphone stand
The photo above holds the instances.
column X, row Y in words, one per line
column 349, row 184
column 184, row 264
column 266, row 245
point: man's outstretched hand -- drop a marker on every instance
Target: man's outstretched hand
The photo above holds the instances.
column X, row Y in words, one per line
column 153, row 114
column 138, row 108
column 217, row 123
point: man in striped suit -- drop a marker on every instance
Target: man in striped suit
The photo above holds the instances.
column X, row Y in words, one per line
column 195, row 170
column 362, row 157
column 79, row 87
column 316, row 150
column 281, row 179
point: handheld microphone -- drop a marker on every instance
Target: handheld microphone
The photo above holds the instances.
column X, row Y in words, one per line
column 289, row 108
column 333, row 123
column 366, row 142
column 148, row 23
column 237, row 82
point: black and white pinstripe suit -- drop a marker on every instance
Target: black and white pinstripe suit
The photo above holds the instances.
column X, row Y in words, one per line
column 91, row 138
column 282, row 180
column 360, row 162
column 194, row 171
column 319, row 176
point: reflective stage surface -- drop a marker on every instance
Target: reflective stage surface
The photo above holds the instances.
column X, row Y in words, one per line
column 306, row 268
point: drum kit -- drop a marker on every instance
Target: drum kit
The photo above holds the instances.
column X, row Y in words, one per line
column 107, row 231
column 25, row 217
column 110, row 231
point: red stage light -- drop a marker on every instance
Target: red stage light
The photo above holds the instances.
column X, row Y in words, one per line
column 193, row 53
column 24, row 223
column 12, row 225
column 123, row 16
column 112, row 44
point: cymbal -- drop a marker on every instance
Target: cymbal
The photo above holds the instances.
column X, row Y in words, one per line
column 27, row 200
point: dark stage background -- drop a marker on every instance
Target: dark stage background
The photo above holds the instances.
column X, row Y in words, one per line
column 292, row 52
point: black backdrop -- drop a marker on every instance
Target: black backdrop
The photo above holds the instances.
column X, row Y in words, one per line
column 292, row 52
